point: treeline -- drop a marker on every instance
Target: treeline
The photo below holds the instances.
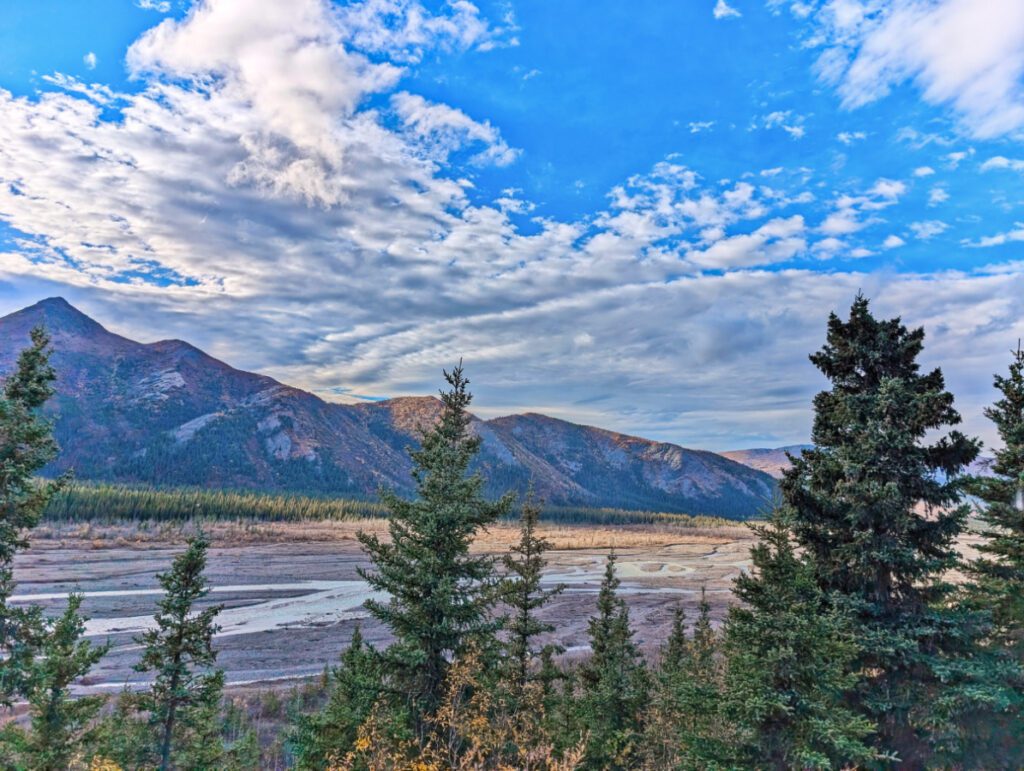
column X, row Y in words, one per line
column 849, row 646
column 77, row 502
column 111, row 503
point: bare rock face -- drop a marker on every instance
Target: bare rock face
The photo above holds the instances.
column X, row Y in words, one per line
column 167, row 413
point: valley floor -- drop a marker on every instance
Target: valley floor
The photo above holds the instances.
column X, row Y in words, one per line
column 292, row 594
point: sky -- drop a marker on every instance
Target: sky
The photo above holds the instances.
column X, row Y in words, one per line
column 633, row 215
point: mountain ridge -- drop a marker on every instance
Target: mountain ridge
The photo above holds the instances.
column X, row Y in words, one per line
column 167, row 413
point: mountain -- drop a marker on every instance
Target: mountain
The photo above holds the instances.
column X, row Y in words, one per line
column 166, row 413
column 772, row 461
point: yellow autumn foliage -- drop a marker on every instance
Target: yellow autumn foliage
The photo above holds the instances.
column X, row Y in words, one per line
column 473, row 730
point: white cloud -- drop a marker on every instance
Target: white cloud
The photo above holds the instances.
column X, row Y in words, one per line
column 441, row 130
column 966, row 54
column 696, row 127
column 90, row 60
column 778, row 240
column 953, row 160
column 405, row 29
column 849, row 137
column 162, row 6
column 937, row 195
column 1017, row 234
column 928, row 229
column 842, row 222
column 923, row 171
column 893, row 242
column 848, row 215
column 261, row 195
column 1001, row 162
column 723, row 10
column 888, row 190
column 785, row 120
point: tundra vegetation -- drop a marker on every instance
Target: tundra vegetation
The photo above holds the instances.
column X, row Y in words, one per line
column 848, row 646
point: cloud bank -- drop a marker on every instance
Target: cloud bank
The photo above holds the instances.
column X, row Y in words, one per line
column 277, row 193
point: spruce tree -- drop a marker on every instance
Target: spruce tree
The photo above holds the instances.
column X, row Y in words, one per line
column 999, row 573
column 179, row 650
column 676, row 653
column 523, row 594
column 997, row 576
column 789, row 664
column 661, row 737
column 26, row 446
column 686, row 727
column 441, row 597
column 354, row 685
column 60, row 725
column 877, row 510
column 614, row 683
column 705, row 642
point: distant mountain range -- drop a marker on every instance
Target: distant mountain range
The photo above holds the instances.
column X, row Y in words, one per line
column 166, row 413
column 771, row 460
column 774, row 461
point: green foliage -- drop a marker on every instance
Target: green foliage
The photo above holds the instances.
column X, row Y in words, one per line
column 999, row 573
column 790, row 656
column 613, row 683
column 87, row 502
column 441, row 597
column 686, row 723
column 123, row 736
column 524, row 596
column 122, row 503
column 179, row 651
column 876, row 509
column 60, row 725
column 997, row 576
column 353, row 688
column 26, row 446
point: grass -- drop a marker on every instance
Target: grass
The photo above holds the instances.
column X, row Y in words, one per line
column 224, row 533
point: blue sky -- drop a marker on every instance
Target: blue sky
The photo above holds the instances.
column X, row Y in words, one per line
column 633, row 215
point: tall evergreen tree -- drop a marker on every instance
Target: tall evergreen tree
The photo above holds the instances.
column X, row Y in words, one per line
column 676, row 653
column 997, row 576
column 26, row 446
column 59, row 725
column 877, row 510
column 999, row 573
column 523, row 594
column 327, row 736
column 614, row 682
column 686, row 726
column 704, row 644
column 790, row 656
column 441, row 597
column 179, row 650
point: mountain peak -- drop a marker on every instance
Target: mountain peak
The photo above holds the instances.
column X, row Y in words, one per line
column 68, row 327
column 56, row 308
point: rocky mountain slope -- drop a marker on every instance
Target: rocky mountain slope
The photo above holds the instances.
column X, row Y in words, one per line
column 166, row 413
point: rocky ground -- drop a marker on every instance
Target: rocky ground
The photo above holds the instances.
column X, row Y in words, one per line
column 292, row 594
